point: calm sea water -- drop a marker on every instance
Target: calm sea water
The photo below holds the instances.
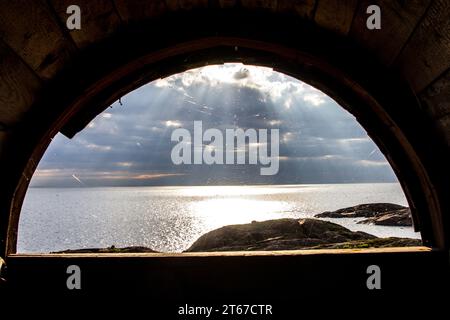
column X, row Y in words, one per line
column 170, row 219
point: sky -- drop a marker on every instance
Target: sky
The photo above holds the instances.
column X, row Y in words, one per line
column 129, row 144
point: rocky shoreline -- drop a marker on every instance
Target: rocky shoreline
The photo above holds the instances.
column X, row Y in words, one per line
column 296, row 234
column 292, row 234
column 112, row 249
column 382, row 214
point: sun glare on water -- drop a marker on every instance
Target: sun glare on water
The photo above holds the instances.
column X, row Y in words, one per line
column 215, row 213
column 233, row 191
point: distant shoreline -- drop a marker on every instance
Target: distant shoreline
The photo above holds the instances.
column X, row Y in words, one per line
column 203, row 185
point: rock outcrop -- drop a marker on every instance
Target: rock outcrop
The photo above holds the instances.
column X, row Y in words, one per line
column 372, row 243
column 385, row 214
column 290, row 234
column 111, row 249
column 361, row 211
column 398, row 218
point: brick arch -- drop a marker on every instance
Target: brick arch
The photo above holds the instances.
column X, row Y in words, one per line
column 55, row 80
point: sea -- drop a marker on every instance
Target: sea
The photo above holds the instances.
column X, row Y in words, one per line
column 171, row 218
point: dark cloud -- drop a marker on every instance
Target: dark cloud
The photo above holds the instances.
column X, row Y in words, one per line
column 130, row 144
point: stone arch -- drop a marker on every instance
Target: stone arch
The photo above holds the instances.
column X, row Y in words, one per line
column 56, row 80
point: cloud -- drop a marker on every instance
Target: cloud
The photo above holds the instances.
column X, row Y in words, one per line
column 241, row 74
column 314, row 98
column 124, row 164
column 42, row 173
column 372, row 163
column 354, row 140
column 273, row 85
column 130, row 143
column 173, row 123
column 327, row 157
column 97, row 147
column 156, row 176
